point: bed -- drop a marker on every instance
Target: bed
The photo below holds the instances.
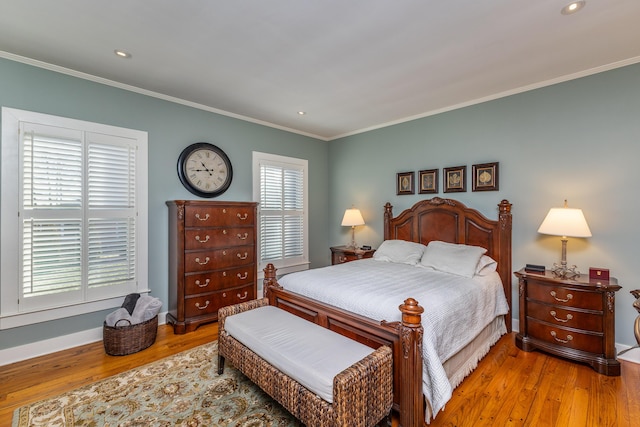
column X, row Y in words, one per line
column 428, row 364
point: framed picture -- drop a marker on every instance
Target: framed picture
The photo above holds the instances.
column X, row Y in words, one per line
column 455, row 180
column 485, row 177
column 404, row 183
column 428, row 182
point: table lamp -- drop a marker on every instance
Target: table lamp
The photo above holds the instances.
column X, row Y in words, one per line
column 565, row 222
column 352, row 217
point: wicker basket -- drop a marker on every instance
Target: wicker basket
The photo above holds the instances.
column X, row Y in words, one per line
column 123, row 340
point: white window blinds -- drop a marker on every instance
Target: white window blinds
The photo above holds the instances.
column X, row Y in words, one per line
column 78, row 214
column 282, row 211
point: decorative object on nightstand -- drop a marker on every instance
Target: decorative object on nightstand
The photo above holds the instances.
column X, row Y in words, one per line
column 352, row 218
column 565, row 222
column 342, row 254
column 572, row 318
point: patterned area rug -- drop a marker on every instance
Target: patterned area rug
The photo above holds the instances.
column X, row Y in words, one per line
column 181, row 390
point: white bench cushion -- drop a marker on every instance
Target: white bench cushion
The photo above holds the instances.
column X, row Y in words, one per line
column 308, row 353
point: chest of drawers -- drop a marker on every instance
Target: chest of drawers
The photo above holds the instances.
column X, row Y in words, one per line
column 571, row 318
column 212, row 259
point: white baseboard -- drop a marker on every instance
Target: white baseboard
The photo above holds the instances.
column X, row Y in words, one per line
column 52, row 345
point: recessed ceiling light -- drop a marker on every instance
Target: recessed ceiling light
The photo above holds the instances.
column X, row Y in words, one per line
column 122, row 53
column 573, row 7
column 302, row 113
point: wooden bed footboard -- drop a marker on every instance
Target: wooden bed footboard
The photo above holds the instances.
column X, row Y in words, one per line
column 404, row 338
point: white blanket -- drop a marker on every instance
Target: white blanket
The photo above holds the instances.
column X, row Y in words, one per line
column 456, row 308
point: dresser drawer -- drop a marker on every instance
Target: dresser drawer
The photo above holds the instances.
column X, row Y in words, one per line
column 208, row 238
column 219, row 280
column 563, row 296
column 210, row 303
column 565, row 337
column 219, row 216
column 563, row 317
column 217, row 259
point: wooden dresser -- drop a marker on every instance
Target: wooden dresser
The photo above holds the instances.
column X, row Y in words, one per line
column 572, row 318
column 212, row 259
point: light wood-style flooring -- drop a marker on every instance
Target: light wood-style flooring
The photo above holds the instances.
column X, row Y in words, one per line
column 509, row 387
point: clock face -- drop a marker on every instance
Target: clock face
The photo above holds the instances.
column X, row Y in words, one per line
column 205, row 170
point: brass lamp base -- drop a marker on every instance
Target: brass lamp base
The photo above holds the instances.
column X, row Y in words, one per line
column 562, row 271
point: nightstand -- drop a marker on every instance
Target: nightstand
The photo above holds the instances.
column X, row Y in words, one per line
column 342, row 254
column 571, row 318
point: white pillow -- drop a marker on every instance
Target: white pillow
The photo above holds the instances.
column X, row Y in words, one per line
column 486, row 266
column 452, row 258
column 400, row 251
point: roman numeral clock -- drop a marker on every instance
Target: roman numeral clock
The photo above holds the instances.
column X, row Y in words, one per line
column 204, row 169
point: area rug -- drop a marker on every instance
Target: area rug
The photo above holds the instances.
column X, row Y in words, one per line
column 180, row 390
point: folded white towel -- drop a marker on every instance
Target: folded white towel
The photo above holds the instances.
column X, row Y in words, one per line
column 120, row 314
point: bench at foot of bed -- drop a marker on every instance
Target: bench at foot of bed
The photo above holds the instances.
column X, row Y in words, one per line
column 322, row 378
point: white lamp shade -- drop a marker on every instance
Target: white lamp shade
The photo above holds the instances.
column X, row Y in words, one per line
column 565, row 222
column 352, row 217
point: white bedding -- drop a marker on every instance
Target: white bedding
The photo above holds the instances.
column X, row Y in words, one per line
column 456, row 308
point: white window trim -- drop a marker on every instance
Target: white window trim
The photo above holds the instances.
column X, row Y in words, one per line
column 10, row 316
column 258, row 158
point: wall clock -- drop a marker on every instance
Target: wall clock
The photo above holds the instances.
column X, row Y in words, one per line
column 204, row 169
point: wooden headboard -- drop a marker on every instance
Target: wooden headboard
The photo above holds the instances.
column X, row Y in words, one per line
column 451, row 221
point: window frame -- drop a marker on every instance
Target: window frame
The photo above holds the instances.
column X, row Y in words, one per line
column 282, row 266
column 12, row 313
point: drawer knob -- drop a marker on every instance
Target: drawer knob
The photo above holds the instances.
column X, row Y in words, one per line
column 243, row 276
column 569, row 338
column 206, row 304
column 242, row 217
column 554, row 314
column 206, row 217
column 206, row 261
column 202, row 285
column 242, row 236
column 342, row 259
column 245, row 256
column 243, row 296
column 202, row 241
column 569, row 297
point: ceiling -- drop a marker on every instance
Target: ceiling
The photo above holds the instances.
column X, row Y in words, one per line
column 351, row 65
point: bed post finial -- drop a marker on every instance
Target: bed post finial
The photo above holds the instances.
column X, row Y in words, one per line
column 388, row 215
column 269, row 281
column 411, row 332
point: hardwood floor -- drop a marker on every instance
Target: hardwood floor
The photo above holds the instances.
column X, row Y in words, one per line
column 509, row 387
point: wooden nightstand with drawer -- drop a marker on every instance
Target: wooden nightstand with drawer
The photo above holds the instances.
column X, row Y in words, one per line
column 342, row 254
column 571, row 318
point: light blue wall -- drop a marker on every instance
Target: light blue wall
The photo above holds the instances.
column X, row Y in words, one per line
column 171, row 128
column 578, row 140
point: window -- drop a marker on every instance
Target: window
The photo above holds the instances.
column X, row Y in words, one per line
column 280, row 186
column 74, row 216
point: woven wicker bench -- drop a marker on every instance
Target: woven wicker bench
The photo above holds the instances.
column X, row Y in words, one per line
column 360, row 395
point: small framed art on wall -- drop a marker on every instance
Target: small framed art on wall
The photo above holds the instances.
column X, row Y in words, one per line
column 428, row 181
column 404, row 183
column 455, row 180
